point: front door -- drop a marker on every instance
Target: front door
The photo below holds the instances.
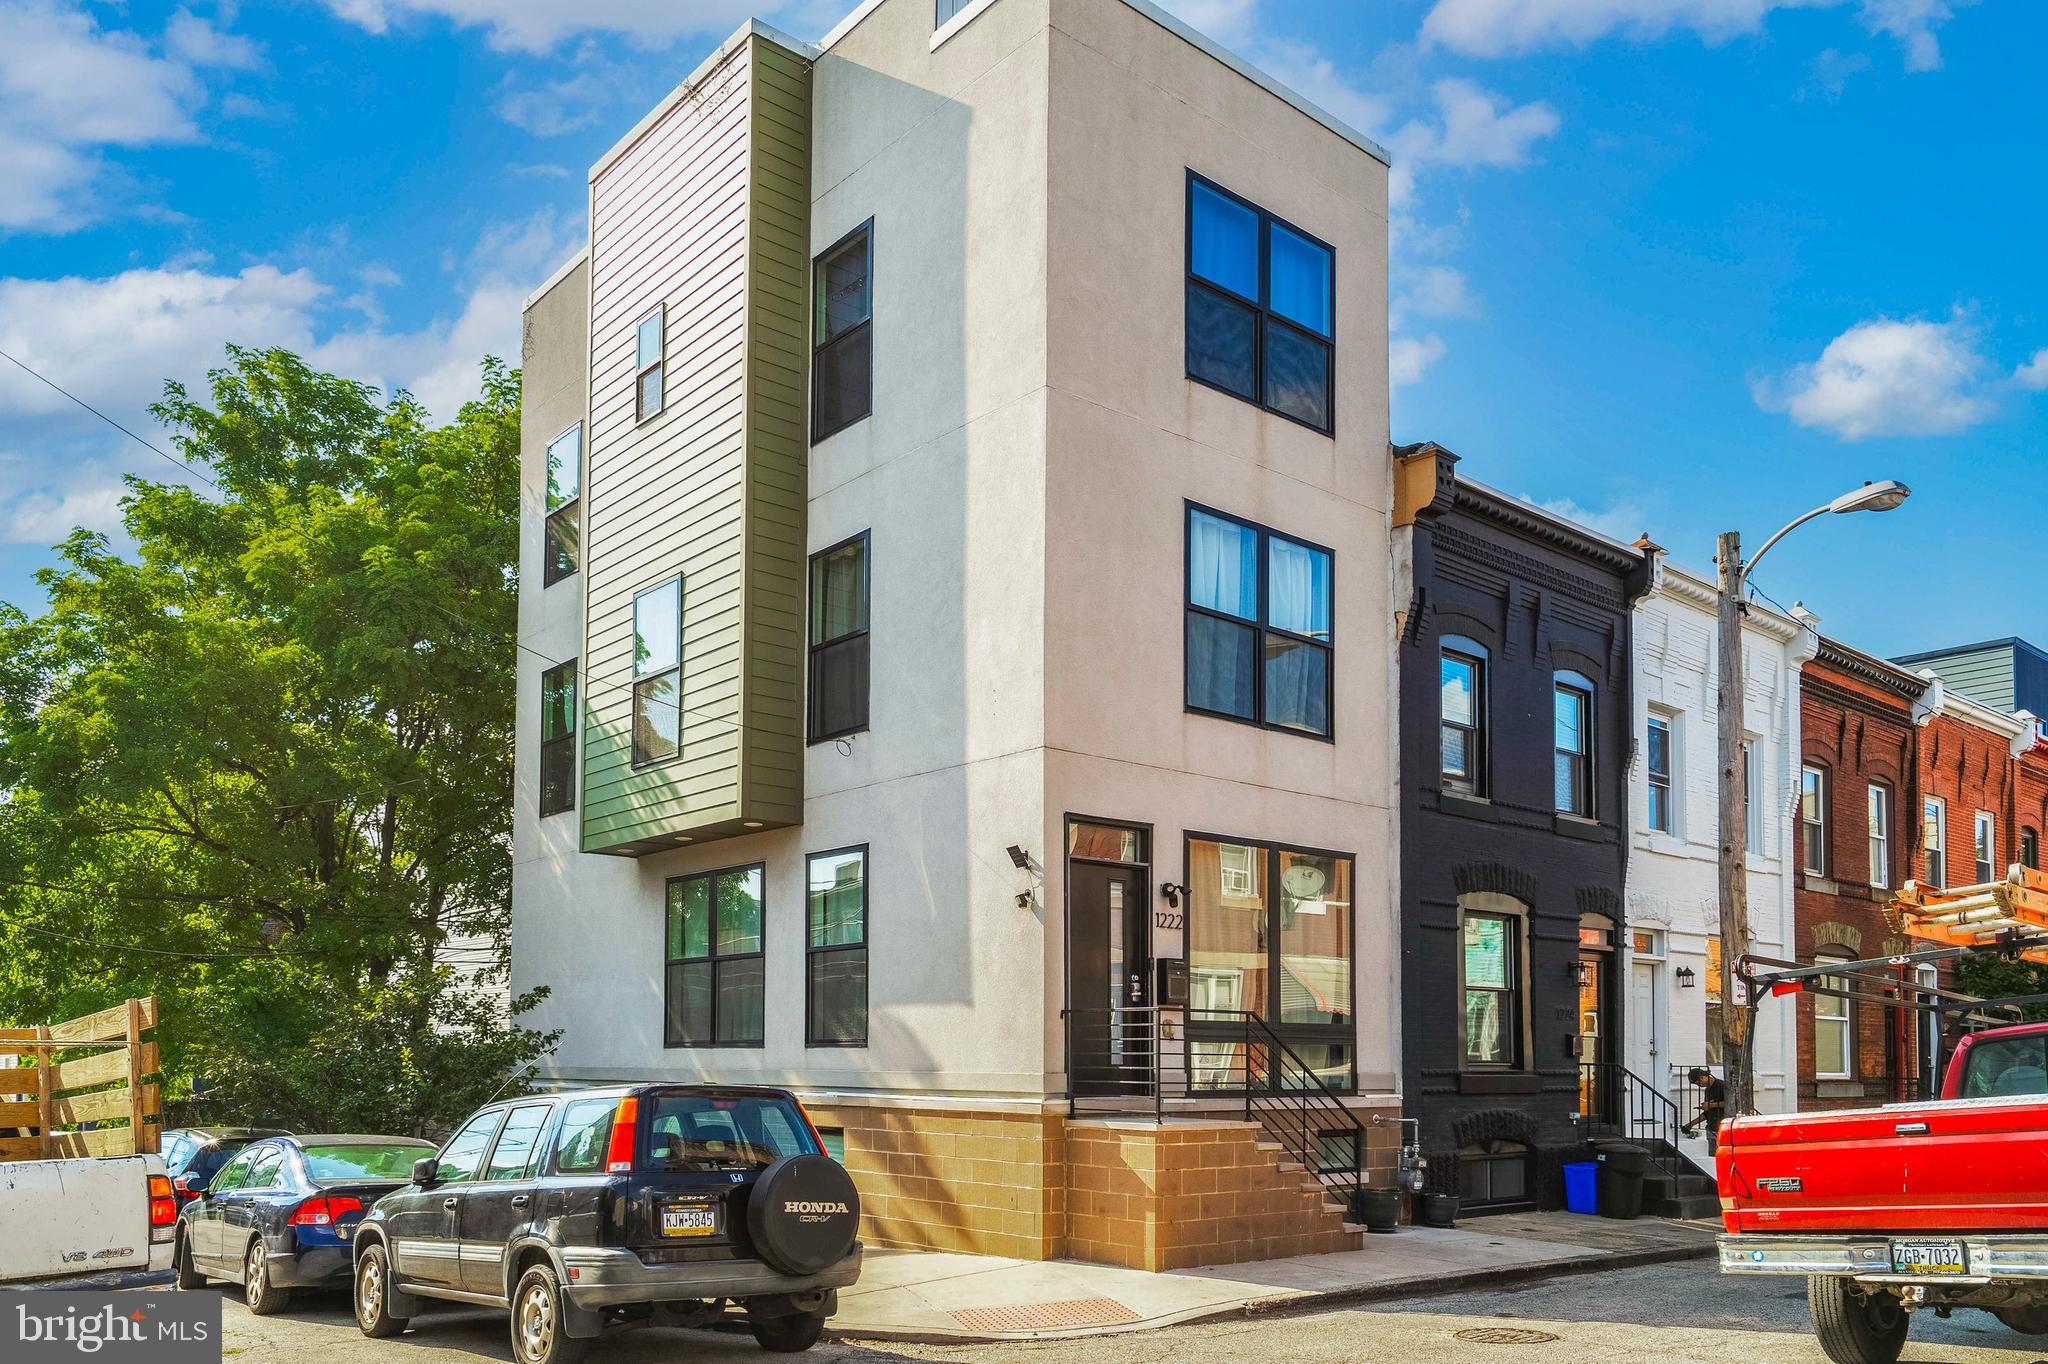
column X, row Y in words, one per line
column 1645, row 1024
column 1108, row 960
column 423, row 1218
column 499, row 1203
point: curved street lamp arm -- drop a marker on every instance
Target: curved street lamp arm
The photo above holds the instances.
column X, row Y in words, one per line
column 1757, row 557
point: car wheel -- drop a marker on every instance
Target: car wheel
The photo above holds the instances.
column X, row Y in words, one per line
column 540, row 1335
column 262, row 1296
column 189, row 1276
column 373, row 1295
column 1853, row 1327
column 788, row 1335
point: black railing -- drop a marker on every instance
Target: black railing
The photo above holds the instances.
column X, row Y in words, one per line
column 1617, row 1103
column 1136, row 1060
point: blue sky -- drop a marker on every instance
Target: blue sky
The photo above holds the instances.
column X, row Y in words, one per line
column 1666, row 265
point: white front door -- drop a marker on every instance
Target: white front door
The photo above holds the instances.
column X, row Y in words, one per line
column 1646, row 1023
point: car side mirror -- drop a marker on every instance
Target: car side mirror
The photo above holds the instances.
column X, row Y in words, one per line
column 425, row 1168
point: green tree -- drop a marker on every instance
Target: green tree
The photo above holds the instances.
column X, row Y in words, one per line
column 1990, row 976
column 261, row 768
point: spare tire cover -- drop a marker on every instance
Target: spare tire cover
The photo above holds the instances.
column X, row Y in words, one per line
column 803, row 1213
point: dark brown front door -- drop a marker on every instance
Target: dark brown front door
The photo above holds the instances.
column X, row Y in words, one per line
column 1108, row 963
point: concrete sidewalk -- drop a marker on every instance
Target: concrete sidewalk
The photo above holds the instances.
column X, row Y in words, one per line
column 930, row 1296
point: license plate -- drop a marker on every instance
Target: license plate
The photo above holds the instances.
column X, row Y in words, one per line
column 1929, row 1257
column 689, row 1219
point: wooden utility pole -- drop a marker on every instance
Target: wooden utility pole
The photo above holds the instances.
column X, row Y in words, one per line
column 1734, row 874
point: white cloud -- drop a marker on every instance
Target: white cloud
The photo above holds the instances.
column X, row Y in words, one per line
column 1436, row 291
column 1227, row 21
column 562, row 106
column 70, row 89
column 1409, row 357
column 1623, row 521
column 540, row 25
column 1474, row 126
column 2033, row 375
column 1493, row 28
column 50, row 502
column 1887, row 378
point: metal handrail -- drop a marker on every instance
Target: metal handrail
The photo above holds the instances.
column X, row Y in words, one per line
column 1649, row 1116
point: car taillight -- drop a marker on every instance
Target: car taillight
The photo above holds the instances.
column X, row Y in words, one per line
column 163, row 1202
column 618, row 1157
column 324, row 1211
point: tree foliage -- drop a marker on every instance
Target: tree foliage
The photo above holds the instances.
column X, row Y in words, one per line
column 261, row 767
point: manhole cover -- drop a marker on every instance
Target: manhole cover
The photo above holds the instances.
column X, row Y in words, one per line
column 1504, row 1335
column 1046, row 1316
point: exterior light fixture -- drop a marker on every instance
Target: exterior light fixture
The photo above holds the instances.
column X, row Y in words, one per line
column 1880, row 496
column 1686, row 977
column 1172, row 893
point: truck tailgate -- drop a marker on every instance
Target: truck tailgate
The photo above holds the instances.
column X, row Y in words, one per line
column 1962, row 1165
column 74, row 1216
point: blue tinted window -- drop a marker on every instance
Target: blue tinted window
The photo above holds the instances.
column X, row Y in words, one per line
column 1301, row 281
column 1223, row 565
column 1299, row 589
column 1224, row 242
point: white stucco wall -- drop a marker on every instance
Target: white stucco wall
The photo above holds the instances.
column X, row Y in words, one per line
column 1672, row 878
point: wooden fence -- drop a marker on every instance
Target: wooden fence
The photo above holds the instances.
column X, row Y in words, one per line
column 80, row 1087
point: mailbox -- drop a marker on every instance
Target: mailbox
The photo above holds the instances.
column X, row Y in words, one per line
column 1173, row 983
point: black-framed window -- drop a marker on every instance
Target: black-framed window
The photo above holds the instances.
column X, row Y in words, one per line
column 558, row 739
column 1461, row 674
column 1813, row 820
column 564, row 506
column 1269, row 931
column 2030, row 847
column 836, row 949
column 843, row 333
column 838, row 703
column 715, row 988
column 1574, row 743
column 658, row 672
column 1490, row 967
column 1657, row 761
column 1261, row 307
column 1258, row 625
column 650, row 372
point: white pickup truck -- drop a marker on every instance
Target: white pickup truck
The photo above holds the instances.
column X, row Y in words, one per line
column 92, row 1215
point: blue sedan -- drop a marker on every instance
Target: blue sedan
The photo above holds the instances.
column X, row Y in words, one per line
column 282, row 1213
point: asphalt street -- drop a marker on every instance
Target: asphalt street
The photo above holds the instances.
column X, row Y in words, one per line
column 1678, row 1312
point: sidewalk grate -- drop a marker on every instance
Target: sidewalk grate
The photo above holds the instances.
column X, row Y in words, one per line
column 1046, row 1316
column 1503, row 1335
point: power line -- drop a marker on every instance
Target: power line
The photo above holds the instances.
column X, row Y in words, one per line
column 313, row 544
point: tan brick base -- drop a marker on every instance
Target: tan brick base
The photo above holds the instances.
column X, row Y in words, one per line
column 1041, row 1186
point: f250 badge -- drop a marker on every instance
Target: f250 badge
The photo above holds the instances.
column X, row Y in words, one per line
column 1793, row 1185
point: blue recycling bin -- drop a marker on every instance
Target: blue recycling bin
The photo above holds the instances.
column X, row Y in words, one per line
column 1581, row 1180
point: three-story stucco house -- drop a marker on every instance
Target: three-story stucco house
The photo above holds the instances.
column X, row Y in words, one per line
column 1674, row 940
column 956, row 666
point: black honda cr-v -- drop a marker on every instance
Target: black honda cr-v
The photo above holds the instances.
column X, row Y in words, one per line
column 664, row 1205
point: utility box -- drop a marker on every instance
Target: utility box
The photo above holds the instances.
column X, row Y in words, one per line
column 1173, row 984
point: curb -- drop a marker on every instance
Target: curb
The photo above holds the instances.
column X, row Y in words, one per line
column 1392, row 1290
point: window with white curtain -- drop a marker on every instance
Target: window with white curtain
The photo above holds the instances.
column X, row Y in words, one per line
column 1832, row 1031
column 1987, row 849
column 1880, row 804
column 1258, row 625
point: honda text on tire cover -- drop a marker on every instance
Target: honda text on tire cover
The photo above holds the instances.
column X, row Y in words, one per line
column 803, row 1214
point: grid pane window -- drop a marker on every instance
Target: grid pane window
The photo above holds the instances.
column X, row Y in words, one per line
column 1574, row 745
column 558, row 739
column 1492, row 1016
column 1462, row 681
column 1657, row 760
column 842, row 361
column 657, row 672
column 564, row 538
column 1831, row 1029
column 1934, row 840
column 839, row 640
column 650, row 389
column 1986, row 849
column 1879, row 804
column 1261, row 307
column 1813, row 821
column 1258, row 625
column 836, row 949
column 714, row 985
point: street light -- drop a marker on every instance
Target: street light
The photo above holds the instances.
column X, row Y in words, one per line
column 1734, row 886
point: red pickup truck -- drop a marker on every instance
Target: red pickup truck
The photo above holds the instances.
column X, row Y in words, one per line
column 1889, row 1210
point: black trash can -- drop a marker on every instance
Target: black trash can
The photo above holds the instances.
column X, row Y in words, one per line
column 1620, row 1192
